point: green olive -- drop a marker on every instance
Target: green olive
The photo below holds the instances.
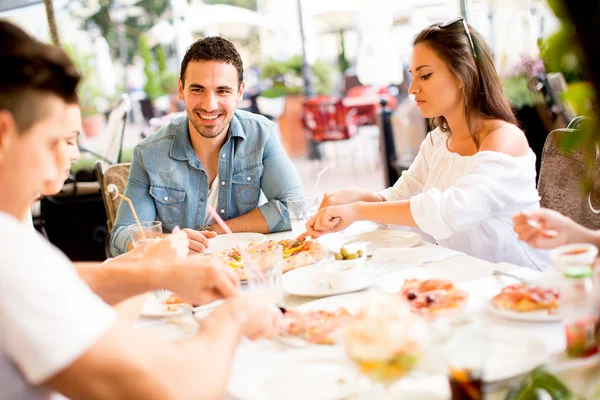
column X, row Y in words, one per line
column 338, row 256
column 360, row 253
column 352, row 256
column 344, row 252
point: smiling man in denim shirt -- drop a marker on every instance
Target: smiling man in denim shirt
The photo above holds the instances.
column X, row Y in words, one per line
column 215, row 155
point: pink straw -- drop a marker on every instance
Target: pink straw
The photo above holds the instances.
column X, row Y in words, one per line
column 245, row 256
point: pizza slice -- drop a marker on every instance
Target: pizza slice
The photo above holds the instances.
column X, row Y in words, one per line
column 522, row 298
column 433, row 296
column 316, row 327
column 296, row 254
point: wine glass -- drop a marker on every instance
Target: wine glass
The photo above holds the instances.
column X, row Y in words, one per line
column 385, row 340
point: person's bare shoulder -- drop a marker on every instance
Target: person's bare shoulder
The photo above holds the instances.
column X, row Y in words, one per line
column 506, row 138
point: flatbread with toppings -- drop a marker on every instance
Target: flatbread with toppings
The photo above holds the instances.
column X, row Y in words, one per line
column 523, row 298
column 433, row 296
column 316, row 327
column 296, row 254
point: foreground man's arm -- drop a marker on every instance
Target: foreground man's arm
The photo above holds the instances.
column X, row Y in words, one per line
column 128, row 363
column 160, row 264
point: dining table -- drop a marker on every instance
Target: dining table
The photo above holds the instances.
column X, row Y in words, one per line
column 275, row 364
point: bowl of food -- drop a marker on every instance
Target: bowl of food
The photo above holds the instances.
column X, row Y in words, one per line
column 577, row 254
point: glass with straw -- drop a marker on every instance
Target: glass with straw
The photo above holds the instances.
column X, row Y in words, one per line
column 141, row 231
column 138, row 231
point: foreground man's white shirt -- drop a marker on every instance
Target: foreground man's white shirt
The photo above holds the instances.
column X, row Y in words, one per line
column 48, row 316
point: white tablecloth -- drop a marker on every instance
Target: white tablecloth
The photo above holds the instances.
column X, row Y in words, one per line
column 476, row 274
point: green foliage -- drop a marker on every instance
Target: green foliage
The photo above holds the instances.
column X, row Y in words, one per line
column 249, row 4
column 561, row 54
column 286, row 76
column 540, row 380
column 153, row 84
column 161, row 59
column 342, row 61
column 517, row 90
column 88, row 89
column 168, row 82
column 135, row 26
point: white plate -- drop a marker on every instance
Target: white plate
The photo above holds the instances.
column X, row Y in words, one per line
column 379, row 239
column 154, row 307
column 222, row 242
column 531, row 316
column 510, row 357
column 309, row 281
column 316, row 374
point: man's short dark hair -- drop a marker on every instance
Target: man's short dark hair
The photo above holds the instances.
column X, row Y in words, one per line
column 213, row 48
column 29, row 69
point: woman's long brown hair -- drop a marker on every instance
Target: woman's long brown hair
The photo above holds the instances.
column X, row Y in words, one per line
column 481, row 86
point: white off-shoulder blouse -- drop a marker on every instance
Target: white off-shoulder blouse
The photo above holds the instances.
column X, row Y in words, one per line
column 467, row 202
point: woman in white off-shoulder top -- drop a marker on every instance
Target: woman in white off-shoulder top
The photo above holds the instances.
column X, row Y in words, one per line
column 474, row 171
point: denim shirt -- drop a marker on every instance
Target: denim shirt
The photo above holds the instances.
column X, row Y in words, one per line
column 168, row 183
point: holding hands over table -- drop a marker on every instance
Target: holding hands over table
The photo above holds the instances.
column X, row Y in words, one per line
column 547, row 229
column 256, row 316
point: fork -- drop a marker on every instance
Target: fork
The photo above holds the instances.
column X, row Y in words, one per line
column 158, row 293
column 509, row 275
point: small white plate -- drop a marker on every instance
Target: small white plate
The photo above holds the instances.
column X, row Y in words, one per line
column 379, row 239
column 311, row 281
column 155, row 307
column 315, row 373
column 530, row 316
column 510, row 357
column 222, row 242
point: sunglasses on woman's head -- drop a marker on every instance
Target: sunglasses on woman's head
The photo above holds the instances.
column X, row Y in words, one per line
column 464, row 23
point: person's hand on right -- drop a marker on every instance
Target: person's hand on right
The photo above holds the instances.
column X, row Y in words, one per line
column 547, row 229
column 198, row 240
column 347, row 196
column 257, row 317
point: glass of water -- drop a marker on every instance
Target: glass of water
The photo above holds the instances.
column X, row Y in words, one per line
column 301, row 209
column 265, row 277
column 152, row 230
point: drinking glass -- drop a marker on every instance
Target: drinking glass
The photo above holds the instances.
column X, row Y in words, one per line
column 301, row 209
column 267, row 280
column 386, row 341
column 152, row 230
column 466, row 353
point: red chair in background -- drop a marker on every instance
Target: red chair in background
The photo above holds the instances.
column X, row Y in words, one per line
column 327, row 119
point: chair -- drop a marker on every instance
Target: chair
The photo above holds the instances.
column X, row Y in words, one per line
column 561, row 178
column 327, row 120
column 116, row 174
column 114, row 132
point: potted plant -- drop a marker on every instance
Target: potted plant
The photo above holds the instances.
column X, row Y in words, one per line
column 89, row 92
column 284, row 99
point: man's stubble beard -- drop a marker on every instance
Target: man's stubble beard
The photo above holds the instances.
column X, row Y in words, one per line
column 208, row 133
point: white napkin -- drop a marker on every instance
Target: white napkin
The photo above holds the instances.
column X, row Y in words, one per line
column 413, row 256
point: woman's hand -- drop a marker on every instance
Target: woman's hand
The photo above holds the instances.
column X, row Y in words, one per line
column 331, row 219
